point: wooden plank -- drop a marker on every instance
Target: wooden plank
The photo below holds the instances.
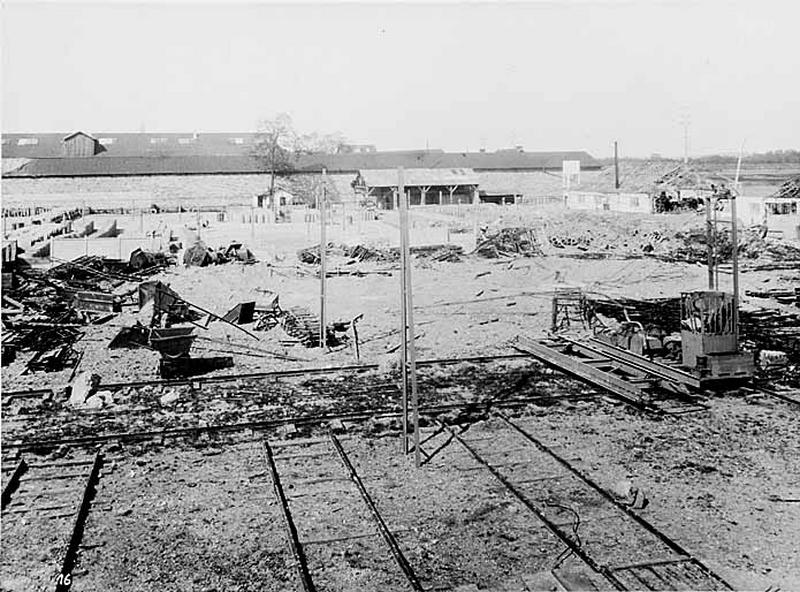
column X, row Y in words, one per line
column 642, row 363
column 616, row 386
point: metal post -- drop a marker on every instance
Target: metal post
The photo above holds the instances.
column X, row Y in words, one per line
column 616, row 167
column 709, row 244
column 410, row 362
column 403, row 304
column 735, row 241
column 323, row 267
column 735, row 255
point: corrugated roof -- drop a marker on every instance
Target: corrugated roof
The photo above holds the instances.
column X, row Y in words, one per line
column 419, row 177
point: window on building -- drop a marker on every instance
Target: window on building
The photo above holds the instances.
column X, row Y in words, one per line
column 186, row 140
column 27, row 141
column 236, row 140
column 158, row 140
column 634, row 201
column 107, row 141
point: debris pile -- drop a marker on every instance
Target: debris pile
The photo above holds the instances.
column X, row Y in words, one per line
column 361, row 253
column 354, row 254
column 303, row 325
column 201, row 255
column 509, row 242
column 44, row 311
column 759, row 329
column 781, row 295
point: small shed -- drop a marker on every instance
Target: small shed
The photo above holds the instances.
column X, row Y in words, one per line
column 80, row 144
column 424, row 186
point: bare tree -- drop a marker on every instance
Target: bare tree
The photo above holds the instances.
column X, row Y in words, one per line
column 275, row 146
column 278, row 146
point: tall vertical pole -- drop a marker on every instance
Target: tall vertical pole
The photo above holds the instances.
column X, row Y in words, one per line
column 402, row 215
column 709, row 244
column 616, row 166
column 714, row 244
column 409, row 357
column 735, row 241
column 685, row 121
column 323, row 252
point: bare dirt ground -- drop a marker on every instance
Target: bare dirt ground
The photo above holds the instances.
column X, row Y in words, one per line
column 205, row 517
column 179, row 516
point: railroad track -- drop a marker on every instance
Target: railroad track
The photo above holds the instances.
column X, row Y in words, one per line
column 320, row 475
column 248, row 428
column 199, row 381
column 609, row 537
column 647, row 386
column 55, row 496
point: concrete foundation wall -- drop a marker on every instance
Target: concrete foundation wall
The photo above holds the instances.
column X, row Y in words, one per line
column 616, row 202
column 68, row 249
column 163, row 190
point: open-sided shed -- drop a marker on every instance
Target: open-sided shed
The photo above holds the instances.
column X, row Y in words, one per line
column 424, row 186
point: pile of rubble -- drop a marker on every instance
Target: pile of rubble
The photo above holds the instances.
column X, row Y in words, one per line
column 509, row 242
column 44, row 311
column 354, row 254
column 201, row 255
column 595, row 234
column 361, row 253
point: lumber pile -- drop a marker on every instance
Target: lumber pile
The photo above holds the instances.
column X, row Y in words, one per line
column 782, row 295
column 770, row 329
column 509, row 242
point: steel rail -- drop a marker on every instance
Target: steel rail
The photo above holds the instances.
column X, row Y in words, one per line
column 267, row 374
column 384, row 530
column 570, row 366
column 477, row 406
column 552, row 526
column 673, row 545
column 776, row 394
column 64, row 581
column 301, row 563
column 641, row 363
column 13, row 482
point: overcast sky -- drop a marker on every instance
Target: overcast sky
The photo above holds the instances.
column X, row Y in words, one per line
column 458, row 76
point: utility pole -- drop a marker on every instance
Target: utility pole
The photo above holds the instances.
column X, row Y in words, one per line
column 403, row 304
column 735, row 241
column 323, row 267
column 408, row 355
column 685, row 121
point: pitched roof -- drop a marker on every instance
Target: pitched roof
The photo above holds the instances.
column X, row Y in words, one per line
column 228, row 153
column 418, row 177
column 78, row 133
column 643, row 177
column 119, row 144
